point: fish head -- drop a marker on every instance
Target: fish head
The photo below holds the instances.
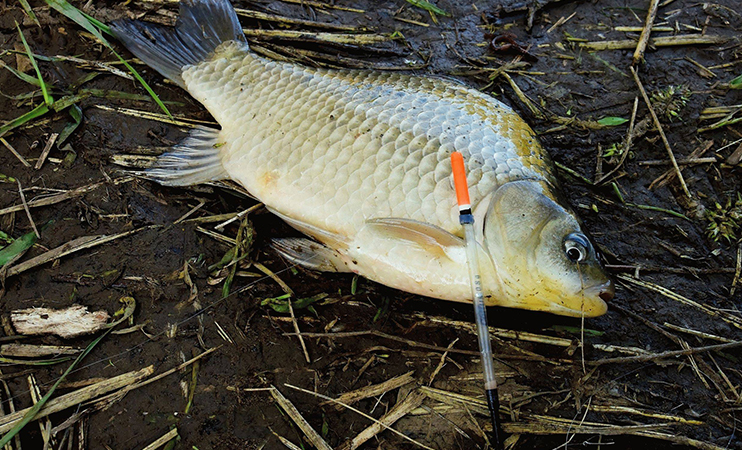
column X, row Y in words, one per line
column 543, row 259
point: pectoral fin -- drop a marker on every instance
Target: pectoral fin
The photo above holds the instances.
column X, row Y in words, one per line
column 428, row 237
column 422, row 258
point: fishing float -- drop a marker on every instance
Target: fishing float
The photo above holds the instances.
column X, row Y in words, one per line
column 466, row 219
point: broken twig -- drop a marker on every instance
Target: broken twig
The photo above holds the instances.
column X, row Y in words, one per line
column 644, row 38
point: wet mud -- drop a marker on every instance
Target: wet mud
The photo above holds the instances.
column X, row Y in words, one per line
column 655, row 240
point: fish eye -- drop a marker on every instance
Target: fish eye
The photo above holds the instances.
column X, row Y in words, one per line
column 576, row 247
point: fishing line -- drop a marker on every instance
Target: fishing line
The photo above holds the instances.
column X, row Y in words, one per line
column 582, row 317
column 466, row 219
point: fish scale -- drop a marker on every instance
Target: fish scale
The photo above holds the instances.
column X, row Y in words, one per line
column 378, row 142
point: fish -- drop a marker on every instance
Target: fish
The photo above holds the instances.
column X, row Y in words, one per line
column 358, row 161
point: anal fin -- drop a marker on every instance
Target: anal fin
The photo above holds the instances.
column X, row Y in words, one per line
column 310, row 254
column 195, row 160
column 327, row 237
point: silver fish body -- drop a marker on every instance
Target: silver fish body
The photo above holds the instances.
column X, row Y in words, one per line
column 359, row 161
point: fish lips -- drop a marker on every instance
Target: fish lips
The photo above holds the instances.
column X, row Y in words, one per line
column 598, row 296
column 590, row 302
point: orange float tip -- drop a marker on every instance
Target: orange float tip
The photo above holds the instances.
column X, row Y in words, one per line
column 459, row 181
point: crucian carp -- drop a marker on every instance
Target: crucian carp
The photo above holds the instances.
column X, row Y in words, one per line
column 358, row 160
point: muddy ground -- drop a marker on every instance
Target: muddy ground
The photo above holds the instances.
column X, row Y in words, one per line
column 666, row 402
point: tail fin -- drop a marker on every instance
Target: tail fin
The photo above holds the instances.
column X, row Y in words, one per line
column 201, row 27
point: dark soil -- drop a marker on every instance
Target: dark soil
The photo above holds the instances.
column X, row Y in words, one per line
column 666, row 250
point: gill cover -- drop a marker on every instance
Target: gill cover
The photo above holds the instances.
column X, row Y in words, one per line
column 545, row 261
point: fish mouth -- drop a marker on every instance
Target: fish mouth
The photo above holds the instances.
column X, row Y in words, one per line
column 589, row 308
column 590, row 302
column 605, row 291
column 587, row 302
column 594, row 300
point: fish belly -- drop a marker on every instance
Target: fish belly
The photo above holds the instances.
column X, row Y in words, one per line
column 333, row 149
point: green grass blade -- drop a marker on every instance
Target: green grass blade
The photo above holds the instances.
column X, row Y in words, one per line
column 144, row 84
column 37, row 407
column 573, row 173
column 78, row 17
column 38, row 56
column 18, row 246
column 69, row 100
column 47, row 96
column 658, row 209
column 29, row 12
column 120, row 95
column 75, row 15
column 18, row 121
column 76, row 113
column 281, row 304
column 576, row 330
column 427, row 6
column 83, row 79
column 612, row 121
column 736, row 83
column 4, row 237
column 21, row 97
column 103, row 27
column 125, row 312
column 37, row 362
column 22, row 76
